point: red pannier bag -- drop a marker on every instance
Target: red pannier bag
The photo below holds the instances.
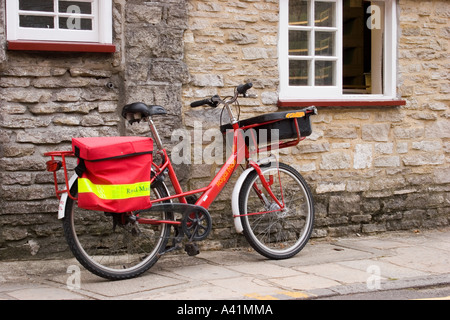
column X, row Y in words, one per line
column 114, row 173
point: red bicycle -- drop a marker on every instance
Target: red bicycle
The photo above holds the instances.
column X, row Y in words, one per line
column 272, row 204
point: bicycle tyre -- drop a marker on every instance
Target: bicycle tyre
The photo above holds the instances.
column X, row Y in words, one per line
column 90, row 245
column 279, row 234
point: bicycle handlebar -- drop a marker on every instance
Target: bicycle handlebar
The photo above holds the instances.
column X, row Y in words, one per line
column 215, row 100
column 212, row 102
column 200, row 103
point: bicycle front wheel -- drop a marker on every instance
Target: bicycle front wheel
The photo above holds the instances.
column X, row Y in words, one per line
column 113, row 245
column 275, row 232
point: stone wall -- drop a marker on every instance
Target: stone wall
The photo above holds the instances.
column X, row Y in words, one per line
column 371, row 169
column 46, row 98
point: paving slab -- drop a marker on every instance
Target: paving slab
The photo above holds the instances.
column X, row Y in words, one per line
column 45, row 293
column 336, row 272
column 386, row 270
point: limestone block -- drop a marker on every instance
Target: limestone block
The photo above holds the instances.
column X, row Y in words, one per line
column 376, row 132
column 335, row 161
column 363, row 156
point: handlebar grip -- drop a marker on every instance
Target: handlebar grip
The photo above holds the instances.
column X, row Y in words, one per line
column 201, row 103
column 242, row 89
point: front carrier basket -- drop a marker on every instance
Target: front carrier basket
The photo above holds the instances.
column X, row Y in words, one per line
column 287, row 128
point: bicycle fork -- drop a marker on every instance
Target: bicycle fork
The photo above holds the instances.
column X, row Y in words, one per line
column 267, row 186
column 275, row 205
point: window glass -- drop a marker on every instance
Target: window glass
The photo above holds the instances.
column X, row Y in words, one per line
column 298, row 12
column 36, row 5
column 28, row 21
column 324, row 14
column 75, row 7
column 362, row 47
column 325, row 43
column 71, row 15
column 75, row 23
column 298, row 72
column 298, row 43
column 324, row 73
column 313, row 41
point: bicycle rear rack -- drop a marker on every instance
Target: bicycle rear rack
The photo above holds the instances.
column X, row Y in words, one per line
column 54, row 165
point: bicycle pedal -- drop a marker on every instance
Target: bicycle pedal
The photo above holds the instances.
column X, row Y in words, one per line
column 191, row 249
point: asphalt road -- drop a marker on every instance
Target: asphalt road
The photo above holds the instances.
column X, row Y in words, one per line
column 429, row 293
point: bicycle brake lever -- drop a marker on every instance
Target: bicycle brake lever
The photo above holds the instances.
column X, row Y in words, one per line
column 215, row 100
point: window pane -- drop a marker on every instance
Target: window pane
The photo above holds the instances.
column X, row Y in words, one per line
column 36, row 5
column 298, row 72
column 76, row 7
column 324, row 14
column 74, row 23
column 298, row 43
column 324, row 43
column 363, row 47
column 36, row 22
column 325, row 73
column 298, row 12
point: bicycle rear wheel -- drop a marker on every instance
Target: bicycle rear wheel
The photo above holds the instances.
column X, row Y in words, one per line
column 113, row 245
column 273, row 232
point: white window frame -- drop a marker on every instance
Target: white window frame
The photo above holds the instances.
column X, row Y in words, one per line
column 295, row 93
column 101, row 25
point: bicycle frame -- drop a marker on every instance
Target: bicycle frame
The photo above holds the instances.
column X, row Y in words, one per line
column 240, row 154
column 210, row 192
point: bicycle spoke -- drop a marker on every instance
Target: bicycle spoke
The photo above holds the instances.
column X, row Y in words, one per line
column 275, row 232
column 114, row 245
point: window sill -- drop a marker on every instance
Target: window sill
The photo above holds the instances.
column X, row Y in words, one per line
column 342, row 103
column 60, row 46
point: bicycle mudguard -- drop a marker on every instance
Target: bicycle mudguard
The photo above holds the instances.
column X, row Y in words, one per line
column 63, row 200
column 235, row 200
column 237, row 189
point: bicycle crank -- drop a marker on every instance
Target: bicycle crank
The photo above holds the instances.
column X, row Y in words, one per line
column 196, row 225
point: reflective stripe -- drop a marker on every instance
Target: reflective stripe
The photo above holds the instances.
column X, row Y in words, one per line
column 114, row 192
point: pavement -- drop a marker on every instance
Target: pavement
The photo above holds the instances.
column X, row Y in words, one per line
column 324, row 268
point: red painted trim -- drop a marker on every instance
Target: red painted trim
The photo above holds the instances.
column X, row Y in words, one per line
column 60, row 46
column 341, row 103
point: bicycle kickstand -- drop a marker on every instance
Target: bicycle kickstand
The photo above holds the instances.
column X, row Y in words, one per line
column 176, row 243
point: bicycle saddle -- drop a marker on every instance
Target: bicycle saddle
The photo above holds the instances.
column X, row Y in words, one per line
column 134, row 112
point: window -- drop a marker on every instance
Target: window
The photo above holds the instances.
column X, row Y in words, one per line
column 337, row 49
column 87, row 21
